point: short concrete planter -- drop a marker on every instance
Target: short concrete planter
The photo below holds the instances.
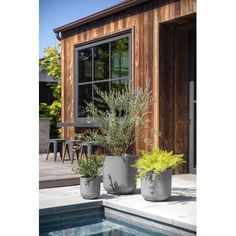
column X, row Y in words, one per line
column 89, row 187
column 119, row 176
column 157, row 189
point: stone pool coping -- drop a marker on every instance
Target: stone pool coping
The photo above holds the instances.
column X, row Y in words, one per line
column 179, row 210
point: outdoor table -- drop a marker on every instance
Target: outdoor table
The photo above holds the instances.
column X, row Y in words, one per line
column 78, row 124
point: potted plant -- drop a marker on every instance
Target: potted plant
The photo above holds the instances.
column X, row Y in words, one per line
column 125, row 109
column 89, row 176
column 155, row 171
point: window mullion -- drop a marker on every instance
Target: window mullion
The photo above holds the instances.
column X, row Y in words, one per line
column 92, row 74
column 130, row 58
column 76, row 89
column 109, row 66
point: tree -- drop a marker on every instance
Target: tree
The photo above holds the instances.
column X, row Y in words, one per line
column 51, row 64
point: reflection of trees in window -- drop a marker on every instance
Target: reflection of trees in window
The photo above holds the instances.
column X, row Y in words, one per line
column 102, row 87
column 85, row 95
column 120, row 58
column 104, row 65
column 101, row 62
column 119, row 84
column 85, row 65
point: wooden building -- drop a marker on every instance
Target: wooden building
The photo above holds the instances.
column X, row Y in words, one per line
column 133, row 41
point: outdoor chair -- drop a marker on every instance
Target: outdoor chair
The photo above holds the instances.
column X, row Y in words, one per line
column 70, row 148
column 79, row 148
column 57, row 145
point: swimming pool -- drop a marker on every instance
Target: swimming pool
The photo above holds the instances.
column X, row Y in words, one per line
column 98, row 220
column 105, row 228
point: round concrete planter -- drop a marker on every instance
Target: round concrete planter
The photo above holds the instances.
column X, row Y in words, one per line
column 89, row 187
column 157, row 189
column 119, row 177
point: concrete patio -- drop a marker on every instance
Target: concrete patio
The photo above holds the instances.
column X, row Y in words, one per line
column 179, row 210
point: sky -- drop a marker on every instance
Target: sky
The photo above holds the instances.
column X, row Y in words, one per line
column 55, row 13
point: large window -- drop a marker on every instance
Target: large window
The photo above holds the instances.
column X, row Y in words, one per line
column 105, row 64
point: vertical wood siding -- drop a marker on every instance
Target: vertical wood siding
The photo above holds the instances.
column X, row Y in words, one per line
column 174, row 88
column 144, row 22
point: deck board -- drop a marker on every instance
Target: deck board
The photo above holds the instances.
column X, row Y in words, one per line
column 56, row 174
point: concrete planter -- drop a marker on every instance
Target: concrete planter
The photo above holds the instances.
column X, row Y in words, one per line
column 89, row 187
column 44, row 130
column 158, row 189
column 119, row 177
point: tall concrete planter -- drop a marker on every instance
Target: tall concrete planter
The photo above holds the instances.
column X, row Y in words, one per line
column 157, row 189
column 119, row 176
column 90, row 187
column 44, row 133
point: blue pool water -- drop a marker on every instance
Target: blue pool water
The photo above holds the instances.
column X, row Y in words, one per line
column 93, row 219
column 105, row 228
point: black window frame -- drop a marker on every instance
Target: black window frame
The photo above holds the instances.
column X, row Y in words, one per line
column 92, row 44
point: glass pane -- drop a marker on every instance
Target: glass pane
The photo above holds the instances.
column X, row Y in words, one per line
column 120, row 58
column 85, row 65
column 103, row 87
column 119, row 84
column 84, row 95
column 101, row 62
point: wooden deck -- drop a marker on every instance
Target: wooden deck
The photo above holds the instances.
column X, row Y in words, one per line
column 56, row 174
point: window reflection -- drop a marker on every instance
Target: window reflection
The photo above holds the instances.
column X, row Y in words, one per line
column 120, row 58
column 105, row 66
column 85, row 95
column 119, row 84
column 85, row 65
column 104, row 87
column 101, row 62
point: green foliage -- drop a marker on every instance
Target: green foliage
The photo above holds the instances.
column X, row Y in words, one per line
column 89, row 167
column 157, row 161
column 52, row 111
column 126, row 108
column 44, row 110
column 52, row 61
column 51, row 64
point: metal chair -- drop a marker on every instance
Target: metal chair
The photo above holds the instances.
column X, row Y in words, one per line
column 86, row 148
column 69, row 147
column 82, row 147
column 57, row 145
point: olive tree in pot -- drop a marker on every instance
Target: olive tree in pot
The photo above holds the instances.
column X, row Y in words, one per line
column 124, row 110
column 155, row 171
column 89, row 180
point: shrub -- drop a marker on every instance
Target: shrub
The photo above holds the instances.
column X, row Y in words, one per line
column 52, row 111
column 125, row 109
column 157, row 161
column 89, row 167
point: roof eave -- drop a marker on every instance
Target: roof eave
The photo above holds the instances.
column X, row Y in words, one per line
column 98, row 15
